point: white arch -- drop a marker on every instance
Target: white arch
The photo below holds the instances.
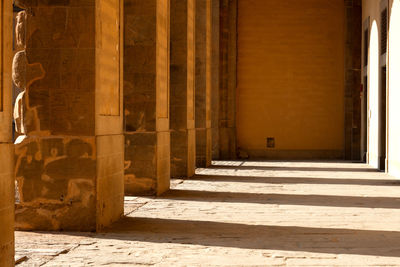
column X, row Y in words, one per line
column 373, row 103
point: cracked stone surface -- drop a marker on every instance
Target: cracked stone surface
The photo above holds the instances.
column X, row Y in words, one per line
column 244, row 214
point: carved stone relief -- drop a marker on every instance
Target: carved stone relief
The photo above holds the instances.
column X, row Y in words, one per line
column 23, row 75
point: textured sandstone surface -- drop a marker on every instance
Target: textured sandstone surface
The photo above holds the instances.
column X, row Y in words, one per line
column 244, row 214
column 69, row 155
column 146, row 97
column 182, row 113
column 203, row 82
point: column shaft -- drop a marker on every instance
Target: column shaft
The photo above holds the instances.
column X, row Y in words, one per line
column 215, row 79
column 203, row 83
column 183, row 142
column 146, row 97
column 228, row 79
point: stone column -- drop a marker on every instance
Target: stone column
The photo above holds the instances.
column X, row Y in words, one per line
column 203, row 83
column 69, row 153
column 353, row 28
column 227, row 88
column 215, row 79
column 183, row 140
column 6, row 142
column 146, row 97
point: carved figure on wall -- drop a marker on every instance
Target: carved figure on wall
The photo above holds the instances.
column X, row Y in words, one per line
column 21, row 3
column 23, row 75
column 51, row 169
column 20, row 29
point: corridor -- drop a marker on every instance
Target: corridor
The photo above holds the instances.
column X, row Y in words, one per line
column 244, row 213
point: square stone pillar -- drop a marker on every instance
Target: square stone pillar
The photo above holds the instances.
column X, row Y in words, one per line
column 69, row 155
column 228, row 79
column 6, row 142
column 203, row 83
column 215, row 78
column 183, row 140
column 146, row 97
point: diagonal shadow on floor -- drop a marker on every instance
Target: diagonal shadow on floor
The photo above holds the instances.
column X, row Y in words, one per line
column 283, row 199
column 288, row 238
column 294, row 168
column 295, row 180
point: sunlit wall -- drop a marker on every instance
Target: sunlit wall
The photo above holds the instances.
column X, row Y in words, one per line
column 394, row 88
column 371, row 9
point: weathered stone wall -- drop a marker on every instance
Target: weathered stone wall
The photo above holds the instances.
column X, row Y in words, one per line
column 6, row 144
column 146, row 97
column 203, row 83
column 56, row 183
column 71, row 65
column 183, row 149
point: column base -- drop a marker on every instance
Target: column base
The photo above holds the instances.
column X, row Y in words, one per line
column 147, row 163
column 183, row 153
column 203, row 147
column 61, row 181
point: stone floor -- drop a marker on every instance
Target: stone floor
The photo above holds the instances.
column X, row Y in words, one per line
column 244, row 213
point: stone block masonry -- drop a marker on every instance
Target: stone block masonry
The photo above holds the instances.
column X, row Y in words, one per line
column 203, row 83
column 146, row 97
column 183, row 142
column 69, row 153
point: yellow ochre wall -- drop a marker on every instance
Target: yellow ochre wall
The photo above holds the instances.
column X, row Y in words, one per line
column 291, row 78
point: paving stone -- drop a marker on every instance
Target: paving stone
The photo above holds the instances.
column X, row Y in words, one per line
column 244, row 214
